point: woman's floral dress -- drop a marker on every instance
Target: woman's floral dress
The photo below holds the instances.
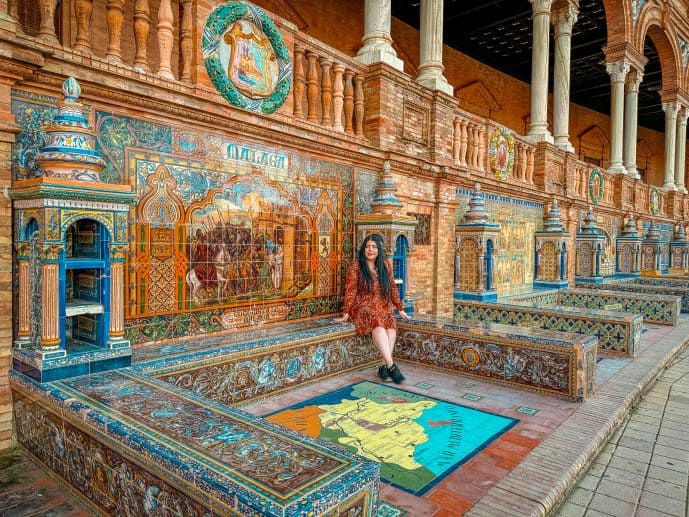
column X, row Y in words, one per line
column 368, row 310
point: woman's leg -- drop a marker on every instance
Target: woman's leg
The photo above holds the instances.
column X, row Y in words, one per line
column 382, row 342
column 392, row 336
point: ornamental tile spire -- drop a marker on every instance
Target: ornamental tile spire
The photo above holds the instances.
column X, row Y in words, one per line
column 553, row 223
column 385, row 200
column 653, row 232
column 476, row 213
column 71, row 150
column 629, row 230
column 589, row 226
column 680, row 234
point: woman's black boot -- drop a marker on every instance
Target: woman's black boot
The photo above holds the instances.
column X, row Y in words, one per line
column 395, row 374
column 384, row 373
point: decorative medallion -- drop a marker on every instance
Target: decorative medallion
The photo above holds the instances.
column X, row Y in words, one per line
column 501, row 153
column 246, row 58
column 596, row 186
column 470, row 357
column 654, row 201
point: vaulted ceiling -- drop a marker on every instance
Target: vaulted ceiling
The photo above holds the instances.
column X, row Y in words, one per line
column 498, row 33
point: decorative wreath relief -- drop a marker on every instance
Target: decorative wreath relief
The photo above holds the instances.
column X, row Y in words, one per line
column 246, row 58
column 501, row 153
column 596, row 186
column 654, row 201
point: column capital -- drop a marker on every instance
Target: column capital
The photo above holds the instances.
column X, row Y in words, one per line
column 633, row 80
column 682, row 115
column 539, row 7
column 617, row 70
column 563, row 19
column 671, row 109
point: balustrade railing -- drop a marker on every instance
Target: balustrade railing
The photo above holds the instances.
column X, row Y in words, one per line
column 470, row 148
column 172, row 22
column 328, row 88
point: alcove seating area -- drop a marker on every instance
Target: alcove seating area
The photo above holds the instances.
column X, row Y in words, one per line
column 170, row 425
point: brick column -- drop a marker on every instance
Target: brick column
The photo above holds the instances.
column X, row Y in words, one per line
column 444, row 248
column 8, row 130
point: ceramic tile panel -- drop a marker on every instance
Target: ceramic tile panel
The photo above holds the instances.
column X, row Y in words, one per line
column 514, row 257
column 618, row 333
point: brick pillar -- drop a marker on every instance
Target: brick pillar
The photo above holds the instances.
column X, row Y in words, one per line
column 444, row 247
column 8, row 130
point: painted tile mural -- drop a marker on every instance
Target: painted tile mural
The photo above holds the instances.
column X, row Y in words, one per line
column 226, row 234
column 518, row 221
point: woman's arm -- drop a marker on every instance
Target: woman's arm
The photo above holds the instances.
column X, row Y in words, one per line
column 351, row 285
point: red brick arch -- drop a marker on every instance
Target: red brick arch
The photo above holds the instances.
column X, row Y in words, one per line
column 619, row 22
column 650, row 23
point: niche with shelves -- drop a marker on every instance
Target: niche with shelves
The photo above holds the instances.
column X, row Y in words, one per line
column 86, row 284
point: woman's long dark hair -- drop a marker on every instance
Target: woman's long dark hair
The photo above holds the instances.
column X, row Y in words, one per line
column 365, row 278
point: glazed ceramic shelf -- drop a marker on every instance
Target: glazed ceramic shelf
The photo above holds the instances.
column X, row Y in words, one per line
column 76, row 307
column 83, row 263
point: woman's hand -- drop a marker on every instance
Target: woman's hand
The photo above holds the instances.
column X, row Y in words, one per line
column 404, row 315
column 342, row 319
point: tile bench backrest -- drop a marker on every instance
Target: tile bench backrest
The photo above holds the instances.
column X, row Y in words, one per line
column 539, row 360
column 682, row 292
column 618, row 333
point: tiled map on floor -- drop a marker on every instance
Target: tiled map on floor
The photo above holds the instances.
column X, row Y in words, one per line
column 417, row 440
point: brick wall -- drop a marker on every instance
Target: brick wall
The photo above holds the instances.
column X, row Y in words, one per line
column 7, row 134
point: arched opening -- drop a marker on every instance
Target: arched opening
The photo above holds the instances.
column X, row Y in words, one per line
column 399, row 264
column 85, row 281
column 489, row 264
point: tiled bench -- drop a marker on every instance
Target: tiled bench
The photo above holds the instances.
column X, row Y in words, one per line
column 540, row 360
column 643, row 289
column 161, row 433
column 655, row 308
column 161, row 450
column 618, row 333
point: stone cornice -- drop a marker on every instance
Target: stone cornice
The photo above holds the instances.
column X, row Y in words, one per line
column 625, row 51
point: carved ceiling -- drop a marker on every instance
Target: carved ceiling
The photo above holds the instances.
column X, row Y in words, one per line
column 498, row 33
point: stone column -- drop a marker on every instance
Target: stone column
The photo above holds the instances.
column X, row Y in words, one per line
column 631, row 111
column 680, row 149
column 24, row 299
column 116, row 330
column 670, row 109
column 377, row 42
column 431, row 47
column 538, row 129
column 50, row 302
column 563, row 20
column 618, row 71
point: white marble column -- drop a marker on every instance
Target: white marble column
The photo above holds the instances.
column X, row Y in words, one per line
column 431, row 45
column 377, row 42
column 538, row 129
column 680, row 149
column 670, row 109
column 618, row 71
column 631, row 112
column 563, row 20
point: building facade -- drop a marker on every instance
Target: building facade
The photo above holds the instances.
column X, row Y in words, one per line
column 242, row 145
